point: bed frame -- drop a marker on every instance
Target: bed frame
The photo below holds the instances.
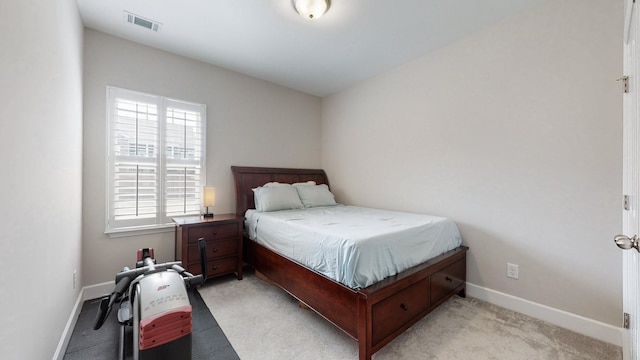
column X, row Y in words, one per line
column 373, row 316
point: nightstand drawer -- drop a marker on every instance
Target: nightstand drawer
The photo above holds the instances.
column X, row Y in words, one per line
column 215, row 267
column 215, row 249
column 447, row 279
column 216, row 232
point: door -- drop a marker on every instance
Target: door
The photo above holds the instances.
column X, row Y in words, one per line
column 631, row 185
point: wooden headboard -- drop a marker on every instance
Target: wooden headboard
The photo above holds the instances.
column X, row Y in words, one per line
column 248, row 178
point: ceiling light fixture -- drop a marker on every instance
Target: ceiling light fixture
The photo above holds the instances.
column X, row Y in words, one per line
column 311, row 9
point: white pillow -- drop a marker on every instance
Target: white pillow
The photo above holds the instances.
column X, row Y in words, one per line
column 273, row 198
column 273, row 183
column 318, row 195
column 310, row 182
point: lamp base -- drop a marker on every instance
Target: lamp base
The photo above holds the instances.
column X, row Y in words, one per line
column 207, row 214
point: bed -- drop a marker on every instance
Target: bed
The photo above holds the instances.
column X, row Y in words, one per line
column 372, row 315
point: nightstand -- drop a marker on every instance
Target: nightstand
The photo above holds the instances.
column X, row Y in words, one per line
column 223, row 234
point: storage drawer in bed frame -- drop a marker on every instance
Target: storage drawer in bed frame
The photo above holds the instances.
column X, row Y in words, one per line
column 395, row 311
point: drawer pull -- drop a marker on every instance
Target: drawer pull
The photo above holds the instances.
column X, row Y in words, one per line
column 214, row 267
column 215, row 233
column 215, row 250
column 404, row 307
column 448, row 279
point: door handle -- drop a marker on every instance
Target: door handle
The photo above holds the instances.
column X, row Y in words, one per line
column 624, row 242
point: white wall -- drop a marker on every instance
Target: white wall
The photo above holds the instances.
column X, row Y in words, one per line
column 250, row 122
column 41, row 182
column 515, row 133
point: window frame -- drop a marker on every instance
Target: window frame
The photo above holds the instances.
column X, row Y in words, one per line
column 160, row 221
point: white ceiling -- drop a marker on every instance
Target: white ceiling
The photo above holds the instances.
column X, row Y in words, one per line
column 267, row 39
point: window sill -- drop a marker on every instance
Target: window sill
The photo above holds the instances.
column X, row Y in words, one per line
column 139, row 230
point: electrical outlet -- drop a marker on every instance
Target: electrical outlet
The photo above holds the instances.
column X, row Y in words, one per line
column 75, row 278
column 512, row 271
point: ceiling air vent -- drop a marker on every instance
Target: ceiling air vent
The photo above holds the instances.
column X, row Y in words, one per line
column 140, row 21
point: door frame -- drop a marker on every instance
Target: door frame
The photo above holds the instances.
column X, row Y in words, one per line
column 631, row 181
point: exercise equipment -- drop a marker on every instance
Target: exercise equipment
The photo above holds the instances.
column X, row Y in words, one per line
column 154, row 301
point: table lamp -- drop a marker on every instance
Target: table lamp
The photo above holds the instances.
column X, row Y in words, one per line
column 209, row 199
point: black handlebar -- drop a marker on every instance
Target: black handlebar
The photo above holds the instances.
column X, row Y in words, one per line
column 202, row 244
column 194, row 281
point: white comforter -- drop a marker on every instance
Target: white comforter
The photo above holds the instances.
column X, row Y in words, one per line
column 353, row 245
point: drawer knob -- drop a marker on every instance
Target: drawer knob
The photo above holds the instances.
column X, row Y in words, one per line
column 215, row 250
column 404, row 307
column 448, row 279
column 215, row 233
column 214, row 267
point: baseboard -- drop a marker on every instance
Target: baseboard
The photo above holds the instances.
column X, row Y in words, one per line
column 87, row 293
column 68, row 329
column 97, row 290
column 576, row 323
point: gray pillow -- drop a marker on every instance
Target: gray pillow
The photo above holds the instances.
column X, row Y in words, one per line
column 273, row 198
column 315, row 195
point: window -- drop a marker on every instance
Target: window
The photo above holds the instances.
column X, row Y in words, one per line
column 155, row 152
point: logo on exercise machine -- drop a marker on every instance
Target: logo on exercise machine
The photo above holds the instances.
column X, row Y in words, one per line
column 162, row 287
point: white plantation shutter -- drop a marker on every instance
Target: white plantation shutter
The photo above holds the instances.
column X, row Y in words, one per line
column 155, row 159
column 183, row 172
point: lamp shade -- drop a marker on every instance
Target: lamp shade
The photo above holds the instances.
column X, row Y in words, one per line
column 209, row 196
column 311, row 9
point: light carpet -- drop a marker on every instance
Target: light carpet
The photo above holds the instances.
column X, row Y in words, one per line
column 263, row 322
